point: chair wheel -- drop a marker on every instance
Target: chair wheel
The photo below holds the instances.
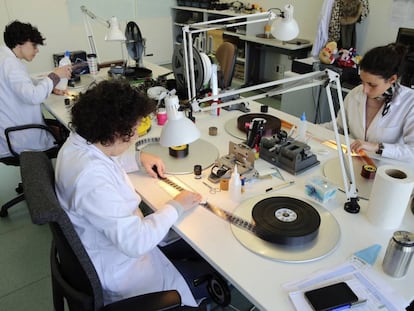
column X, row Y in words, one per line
column 219, row 291
column 19, row 188
column 3, row 213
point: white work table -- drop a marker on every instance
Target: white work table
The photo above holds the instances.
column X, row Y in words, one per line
column 260, row 279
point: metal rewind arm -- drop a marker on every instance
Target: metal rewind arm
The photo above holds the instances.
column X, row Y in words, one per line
column 319, row 78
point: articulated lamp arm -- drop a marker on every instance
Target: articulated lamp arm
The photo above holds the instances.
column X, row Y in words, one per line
column 319, row 78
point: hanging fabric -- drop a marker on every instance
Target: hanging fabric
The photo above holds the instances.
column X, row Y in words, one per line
column 345, row 14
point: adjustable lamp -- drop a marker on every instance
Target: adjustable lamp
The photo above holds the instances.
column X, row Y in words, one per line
column 113, row 34
column 285, row 28
column 284, row 20
column 178, row 130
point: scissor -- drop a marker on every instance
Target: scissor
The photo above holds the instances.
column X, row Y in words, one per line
column 212, row 189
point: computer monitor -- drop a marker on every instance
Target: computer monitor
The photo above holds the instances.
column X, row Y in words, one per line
column 406, row 36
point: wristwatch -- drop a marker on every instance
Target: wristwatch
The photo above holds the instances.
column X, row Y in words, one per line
column 380, row 148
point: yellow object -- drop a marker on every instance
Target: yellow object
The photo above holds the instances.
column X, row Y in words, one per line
column 144, row 126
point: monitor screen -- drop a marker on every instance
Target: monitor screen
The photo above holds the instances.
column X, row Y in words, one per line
column 406, row 36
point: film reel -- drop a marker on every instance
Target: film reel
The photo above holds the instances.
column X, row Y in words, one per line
column 286, row 221
column 178, row 67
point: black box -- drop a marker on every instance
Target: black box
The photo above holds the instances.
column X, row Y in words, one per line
column 76, row 57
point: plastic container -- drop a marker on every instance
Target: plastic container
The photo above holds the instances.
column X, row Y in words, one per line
column 302, row 128
column 63, row 83
column 92, row 63
column 235, row 185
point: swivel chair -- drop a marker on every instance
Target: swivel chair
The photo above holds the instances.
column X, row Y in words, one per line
column 54, row 128
column 74, row 277
column 226, row 55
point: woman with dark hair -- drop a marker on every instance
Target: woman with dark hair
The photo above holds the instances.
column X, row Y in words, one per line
column 380, row 111
column 95, row 191
column 20, row 96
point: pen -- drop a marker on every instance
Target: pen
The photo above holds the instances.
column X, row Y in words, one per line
column 351, row 305
column 281, row 186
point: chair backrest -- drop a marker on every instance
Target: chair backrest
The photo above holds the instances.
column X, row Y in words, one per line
column 226, row 55
column 73, row 274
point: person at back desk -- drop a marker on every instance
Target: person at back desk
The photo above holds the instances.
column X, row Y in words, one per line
column 380, row 111
column 20, row 96
column 93, row 188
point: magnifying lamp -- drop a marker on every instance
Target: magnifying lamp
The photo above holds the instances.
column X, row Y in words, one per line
column 179, row 130
column 285, row 27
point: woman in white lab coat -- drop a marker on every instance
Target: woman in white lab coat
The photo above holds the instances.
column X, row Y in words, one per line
column 380, row 111
column 96, row 193
column 20, row 96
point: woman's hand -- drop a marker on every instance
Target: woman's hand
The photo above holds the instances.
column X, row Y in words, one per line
column 188, row 199
column 148, row 161
column 359, row 145
column 59, row 92
column 64, row 71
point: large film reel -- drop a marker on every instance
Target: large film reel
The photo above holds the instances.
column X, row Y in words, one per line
column 178, row 67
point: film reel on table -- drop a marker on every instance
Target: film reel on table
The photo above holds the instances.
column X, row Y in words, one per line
column 307, row 242
column 312, row 239
column 236, row 126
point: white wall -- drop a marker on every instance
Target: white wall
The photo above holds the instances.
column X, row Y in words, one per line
column 62, row 33
column 53, row 19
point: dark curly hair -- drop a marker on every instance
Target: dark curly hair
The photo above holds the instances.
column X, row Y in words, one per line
column 385, row 61
column 109, row 110
column 18, row 33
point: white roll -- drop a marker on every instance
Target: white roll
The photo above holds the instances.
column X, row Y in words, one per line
column 389, row 197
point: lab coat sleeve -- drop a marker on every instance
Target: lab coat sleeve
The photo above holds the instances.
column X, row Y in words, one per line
column 404, row 150
column 105, row 207
column 22, row 85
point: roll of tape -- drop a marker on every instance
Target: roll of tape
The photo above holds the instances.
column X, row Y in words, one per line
column 368, row 171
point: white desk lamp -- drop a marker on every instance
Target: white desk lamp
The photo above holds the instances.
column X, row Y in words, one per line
column 179, row 130
column 114, row 33
column 284, row 29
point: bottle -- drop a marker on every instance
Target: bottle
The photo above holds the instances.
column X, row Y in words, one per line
column 63, row 83
column 302, row 128
column 235, row 185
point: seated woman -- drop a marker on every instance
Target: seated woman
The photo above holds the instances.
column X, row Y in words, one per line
column 95, row 191
column 380, row 111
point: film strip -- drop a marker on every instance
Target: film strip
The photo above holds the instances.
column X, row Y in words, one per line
column 144, row 141
column 227, row 216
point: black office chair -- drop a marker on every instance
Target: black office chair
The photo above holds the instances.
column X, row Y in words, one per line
column 54, row 128
column 74, row 277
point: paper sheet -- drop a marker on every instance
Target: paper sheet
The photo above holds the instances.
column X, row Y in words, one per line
column 363, row 280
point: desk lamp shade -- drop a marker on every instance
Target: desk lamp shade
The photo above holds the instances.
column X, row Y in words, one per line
column 178, row 130
column 285, row 27
column 114, row 33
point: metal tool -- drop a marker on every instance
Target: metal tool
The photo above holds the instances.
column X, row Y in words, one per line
column 213, row 190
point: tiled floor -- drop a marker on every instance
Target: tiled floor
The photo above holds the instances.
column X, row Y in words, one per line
column 24, row 254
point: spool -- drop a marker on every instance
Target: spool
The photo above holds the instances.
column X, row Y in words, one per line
column 212, row 131
column 286, row 221
column 368, row 171
column 179, row 151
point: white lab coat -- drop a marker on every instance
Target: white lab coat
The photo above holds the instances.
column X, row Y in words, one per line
column 20, row 103
column 102, row 204
column 395, row 130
